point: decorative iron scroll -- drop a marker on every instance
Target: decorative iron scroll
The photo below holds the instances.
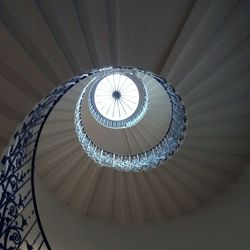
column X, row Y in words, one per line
column 20, row 226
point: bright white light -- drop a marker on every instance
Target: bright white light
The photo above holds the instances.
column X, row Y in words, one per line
column 116, row 97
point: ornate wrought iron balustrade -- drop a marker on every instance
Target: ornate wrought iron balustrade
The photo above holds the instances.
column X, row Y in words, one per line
column 152, row 158
column 20, row 226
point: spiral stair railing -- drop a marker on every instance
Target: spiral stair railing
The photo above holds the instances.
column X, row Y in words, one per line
column 153, row 157
column 20, row 225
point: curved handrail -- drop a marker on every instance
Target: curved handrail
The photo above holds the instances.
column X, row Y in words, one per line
column 142, row 161
column 20, row 225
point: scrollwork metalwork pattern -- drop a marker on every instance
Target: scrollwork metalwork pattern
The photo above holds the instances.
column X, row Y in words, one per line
column 19, row 218
column 20, row 225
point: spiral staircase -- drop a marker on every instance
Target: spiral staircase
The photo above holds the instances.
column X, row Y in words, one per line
column 54, row 196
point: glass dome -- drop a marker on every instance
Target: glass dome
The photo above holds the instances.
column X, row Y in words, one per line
column 116, row 97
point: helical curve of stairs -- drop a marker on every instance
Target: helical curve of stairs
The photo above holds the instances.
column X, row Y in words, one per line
column 181, row 185
column 201, row 47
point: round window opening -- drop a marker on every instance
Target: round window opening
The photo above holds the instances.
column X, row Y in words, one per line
column 116, row 97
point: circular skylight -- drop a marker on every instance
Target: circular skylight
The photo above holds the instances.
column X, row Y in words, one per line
column 116, row 97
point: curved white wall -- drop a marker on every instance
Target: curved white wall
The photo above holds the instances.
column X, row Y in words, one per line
column 224, row 224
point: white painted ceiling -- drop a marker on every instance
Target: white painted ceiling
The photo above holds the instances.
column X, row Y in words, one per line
column 202, row 47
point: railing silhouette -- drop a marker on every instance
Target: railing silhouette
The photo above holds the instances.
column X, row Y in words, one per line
column 20, row 226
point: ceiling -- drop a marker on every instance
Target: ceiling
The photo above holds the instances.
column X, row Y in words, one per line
column 201, row 47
